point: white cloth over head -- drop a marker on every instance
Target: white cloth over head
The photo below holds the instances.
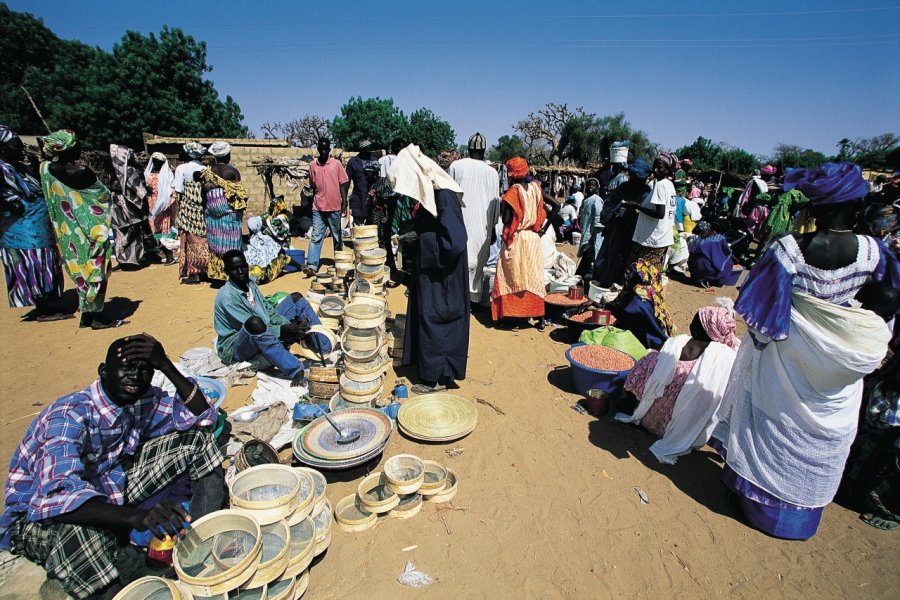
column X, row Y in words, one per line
column 415, row 175
column 163, row 185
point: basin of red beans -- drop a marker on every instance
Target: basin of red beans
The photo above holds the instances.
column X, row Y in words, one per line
column 601, row 358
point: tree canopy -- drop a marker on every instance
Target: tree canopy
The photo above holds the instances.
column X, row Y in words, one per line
column 428, row 131
column 147, row 83
column 507, row 147
column 586, row 139
column 706, row 154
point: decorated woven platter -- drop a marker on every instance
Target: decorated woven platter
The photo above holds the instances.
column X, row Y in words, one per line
column 437, row 417
column 334, row 465
column 320, row 438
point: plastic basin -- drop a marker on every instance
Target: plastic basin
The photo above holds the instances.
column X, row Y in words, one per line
column 585, row 378
column 299, row 256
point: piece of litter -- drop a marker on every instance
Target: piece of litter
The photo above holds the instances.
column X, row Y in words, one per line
column 414, row 578
column 408, row 548
column 605, row 474
column 642, row 495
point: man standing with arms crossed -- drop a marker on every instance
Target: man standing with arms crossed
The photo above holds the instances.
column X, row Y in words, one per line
column 330, row 184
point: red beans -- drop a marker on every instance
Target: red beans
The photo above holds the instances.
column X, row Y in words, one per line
column 601, row 358
column 562, row 299
column 585, row 317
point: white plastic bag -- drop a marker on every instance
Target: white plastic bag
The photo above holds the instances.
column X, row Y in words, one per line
column 413, row 578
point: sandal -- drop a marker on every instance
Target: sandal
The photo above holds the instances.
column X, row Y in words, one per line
column 421, row 388
column 879, row 522
column 106, row 324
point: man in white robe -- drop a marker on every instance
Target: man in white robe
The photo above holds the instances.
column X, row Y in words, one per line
column 481, row 192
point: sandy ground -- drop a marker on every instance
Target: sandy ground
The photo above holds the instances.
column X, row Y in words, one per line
column 546, row 505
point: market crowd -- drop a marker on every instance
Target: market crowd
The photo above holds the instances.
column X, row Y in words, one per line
column 808, row 399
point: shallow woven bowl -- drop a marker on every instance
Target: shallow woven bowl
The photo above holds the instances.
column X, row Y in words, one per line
column 375, row 495
column 212, row 579
column 435, row 478
column 338, row 402
column 302, row 584
column 320, row 484
column 365, row 231
column 363, row 316
column 283, row 589
column 404, row 473
column 373, row 256
column 365, row 244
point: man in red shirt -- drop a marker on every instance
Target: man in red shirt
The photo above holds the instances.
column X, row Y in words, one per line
column 330, row 184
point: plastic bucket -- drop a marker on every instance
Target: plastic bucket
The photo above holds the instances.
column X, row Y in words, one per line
column 585, row 378
column 618, row 154
column 297, row 255
column 576, row 238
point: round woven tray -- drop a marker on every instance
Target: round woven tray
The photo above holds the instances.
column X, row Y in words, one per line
column 272, row 492
column 332, row 465
column 319, row 437
column 437, row 417
column 152, row 587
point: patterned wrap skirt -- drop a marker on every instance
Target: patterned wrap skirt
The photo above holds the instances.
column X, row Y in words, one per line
column 32, row 274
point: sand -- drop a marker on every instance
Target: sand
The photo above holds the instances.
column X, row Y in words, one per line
column 546, row 507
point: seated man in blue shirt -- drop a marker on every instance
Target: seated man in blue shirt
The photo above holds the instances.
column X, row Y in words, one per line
column 108, row 459
column 248, row 326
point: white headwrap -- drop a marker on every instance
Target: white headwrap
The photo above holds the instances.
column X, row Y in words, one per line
column 194, row 149
column 220, row 149
column 415, row 175
column 163, row 184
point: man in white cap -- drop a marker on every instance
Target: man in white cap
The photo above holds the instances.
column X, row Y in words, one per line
column 481, row 189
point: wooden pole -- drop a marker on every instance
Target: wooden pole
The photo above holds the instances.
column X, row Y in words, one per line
column 36, row 109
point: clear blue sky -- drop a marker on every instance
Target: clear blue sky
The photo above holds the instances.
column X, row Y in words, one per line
column 752, row 74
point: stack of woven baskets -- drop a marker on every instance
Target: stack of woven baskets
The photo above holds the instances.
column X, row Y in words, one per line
column 261, row 547
column 397, row 492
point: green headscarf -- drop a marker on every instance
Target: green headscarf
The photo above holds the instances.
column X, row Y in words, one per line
column 58, row 142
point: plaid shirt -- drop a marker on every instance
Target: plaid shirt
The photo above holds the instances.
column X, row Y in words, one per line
column 884, row 408
column 74, row 450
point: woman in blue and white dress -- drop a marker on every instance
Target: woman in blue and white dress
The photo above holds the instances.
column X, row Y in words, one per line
column 791, row 408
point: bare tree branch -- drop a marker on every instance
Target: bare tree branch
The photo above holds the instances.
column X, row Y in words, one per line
column 270, row 130
column 541, row 131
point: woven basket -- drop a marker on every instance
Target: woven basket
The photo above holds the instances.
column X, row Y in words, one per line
column 303, row 544
column 308, row 352
column 205, row 577
column 317, row 389
column 363, row 316
column 409, row 506
column 375, row 495
column 247, row 490
column 365, row 231
column 343, row 256
column 369, row 272
column 283, row 589
column 374, row 256
column 435, row 478
column 257, row 448
column 351, row 515
column 273, row 561
column 450, row 488
column 147, row 587
column 331, row 306
column 404, row 473
column 324, row 374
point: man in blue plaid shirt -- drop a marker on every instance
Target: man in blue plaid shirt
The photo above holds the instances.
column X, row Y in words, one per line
column 107, row 459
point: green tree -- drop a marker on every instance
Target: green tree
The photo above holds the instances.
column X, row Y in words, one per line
column 147, row 84
column 428, row 131
column 580, row 140
column 378, row 120
column 789, row 156
column 507, row 147
column 616, row 128
column 704, row 153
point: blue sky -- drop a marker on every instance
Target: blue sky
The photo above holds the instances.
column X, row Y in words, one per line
column 752, row 74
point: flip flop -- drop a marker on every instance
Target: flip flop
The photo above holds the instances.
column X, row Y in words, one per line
column 879, row 522
column 421, row 388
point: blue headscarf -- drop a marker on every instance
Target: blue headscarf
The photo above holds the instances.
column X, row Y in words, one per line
column 831, row 183
column 640, row 168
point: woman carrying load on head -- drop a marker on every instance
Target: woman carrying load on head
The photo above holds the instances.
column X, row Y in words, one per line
column 641, row 308
column 653, row 233
column 78, row 204
column 677, row 390
column 519, row 284
column 31, row 260
column 790, row 412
